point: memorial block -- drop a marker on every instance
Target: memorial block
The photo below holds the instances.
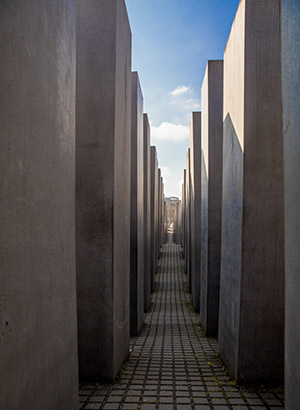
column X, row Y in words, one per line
column 147, row 215
column 103, row 142
column 183, row 201
column 195, row 152
column 154, row 212
column 38, row 346
column 211, row 194
column 137, row 209
column 290, row 34
column 251, row 322
column 188, row 220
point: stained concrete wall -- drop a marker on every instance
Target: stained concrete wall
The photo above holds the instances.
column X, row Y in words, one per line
column 162, row 219
column 103, row 139
column 290, row 17
column 211, row 194
column 183, row 214
column 38, row 346
column 154, row 212
column 147, row 215
column 195, row 166
column 137, row 208
column 188, row 221
column 177, row 223
column 159, row 185
column 252, row 268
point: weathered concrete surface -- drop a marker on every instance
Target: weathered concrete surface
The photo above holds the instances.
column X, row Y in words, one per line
column 290, row 34
column 137, row 208
column 103, row 142
column 38, row 346
column 211, row 194
column 154, row 211
column 252, row 268
column 188, row 220
column 177, row 223
column 183, row 201
column 162, row 219
column 159, row 185
column 147, row 215
column 195, row 152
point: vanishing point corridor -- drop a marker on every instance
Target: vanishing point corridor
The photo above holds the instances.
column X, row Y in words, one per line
column 172, row 365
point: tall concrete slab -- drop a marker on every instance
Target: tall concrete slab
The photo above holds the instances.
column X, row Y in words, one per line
column 162, row 219
column 251, row 318
column 147, row 215
column 103, row 140
column 177, row 223
column 183, row 200
column 137, row 208
column 154, row 211
column 195, row 152
column 188, row 220
column 159, row 185
column 290, row 34
column 211, row 194
column 38, row 321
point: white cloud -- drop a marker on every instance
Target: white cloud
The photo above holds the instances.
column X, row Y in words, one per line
column 172, row 186
column 169, row 131
column 180, row 89
column 187, row 104
column 184, row 99
column 167, row 174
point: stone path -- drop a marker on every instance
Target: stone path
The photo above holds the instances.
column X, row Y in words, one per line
column 172, row 365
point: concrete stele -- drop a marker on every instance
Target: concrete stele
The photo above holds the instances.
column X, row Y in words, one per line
column 154, row 211
column 211, row 194
column 188, row 221
column 103, row 142
column 290, row 34
column 147, row 215
column 251, row 319
column 38, row 348
column 137, row 209
column 195, row 152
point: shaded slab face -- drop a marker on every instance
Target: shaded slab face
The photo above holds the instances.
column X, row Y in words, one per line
column 147, row 214
column 290, row 15
column 188, row 220
column 38, row 347
column 211, row 194
column 103, row 140
column 137, row 208
column 195, row 146
column 252, row 264
column 154, row 211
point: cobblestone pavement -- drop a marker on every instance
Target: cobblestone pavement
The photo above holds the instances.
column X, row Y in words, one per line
column 172, row 365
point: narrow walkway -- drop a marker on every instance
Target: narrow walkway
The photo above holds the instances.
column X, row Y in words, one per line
column 172, row 365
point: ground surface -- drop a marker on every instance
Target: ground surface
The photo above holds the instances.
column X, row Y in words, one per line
column 172, row 365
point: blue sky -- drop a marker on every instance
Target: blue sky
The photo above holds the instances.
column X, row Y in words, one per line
column 172, row 41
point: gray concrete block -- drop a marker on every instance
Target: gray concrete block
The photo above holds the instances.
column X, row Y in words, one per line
column 195, row 152
column 137, row 208
column 188, row 220
column 103, row 140
column 154, row 211
column 159, row 216
column 147, row 215
column 38, row 346
column 162, row 206
column 177, row 223
column 251, row 318
column 183, row 201
column 211, row 194
column 290, row 34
